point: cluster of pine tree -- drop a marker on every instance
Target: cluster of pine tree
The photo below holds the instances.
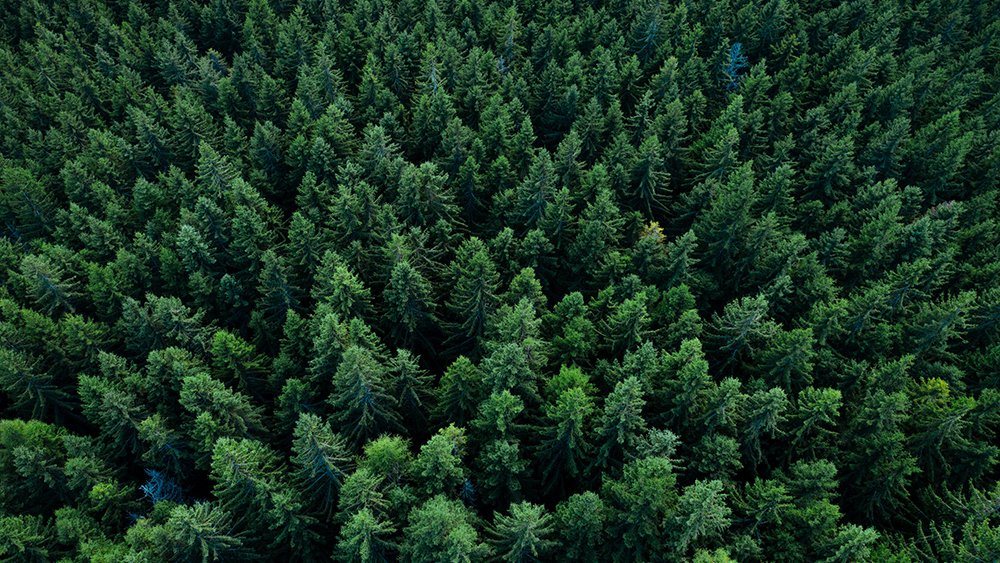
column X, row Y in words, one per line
column 467, row 281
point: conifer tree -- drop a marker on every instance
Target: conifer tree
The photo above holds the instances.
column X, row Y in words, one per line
column 216, row 412
column 474, row 296
column 32, row 395
column 580, row 524
column 564, row 449
column 199, row 532
column 458, row 393
column 438, row 467
column 620, row 425
column 442, row 530
column 640, row 503
column 522, row 536
column 322, row 462
column 48, row 283
column 365, row 539
column 649, row 178
column 360, row 399
column 701, row 512
column 410, row 386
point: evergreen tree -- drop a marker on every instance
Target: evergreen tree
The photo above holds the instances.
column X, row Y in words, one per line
column 322, row 462
column 649, row 178
column 522, row 535
column 458, row 392
column 473, row 298
column 701, row 512
column 201, row 532
column 442, row 530
column 364, row 539
column 360, row 402
column 217, row 412
column 580, row 523
column 49, row 286
column 278, row 295
column 640, row 504
column 32, row 395
column 564, row 448
column 410, row 385
column 439, row 465
column 621, row 424
column 410, row 306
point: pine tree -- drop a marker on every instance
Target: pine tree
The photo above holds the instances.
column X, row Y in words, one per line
column 521, row 537
column 422, row 197
column 32, row 395
column 442, row 530
column 361, row 491
column 788, row 358
column 365, row 539
column 160, row 323
column 473, row 299
column 438, row 467
column 360, row 400
column 503, row 469
column 649, row 177
column 191, row 126
column 235, row 361
column 322, row 461
column 580, row 524
column 599, row 230
column 410, row 307
column 701, row 512
column 688, row 379
column 535, row 193
column 458, row 393
column 278, row 295
column 620, row 425
column 390, row 458
column 154, row 150
column 627, row 325
column 764, row 413
column 564, row 449
column 508, row 369
column 198, row 533
column 244, row 472
column 640, row 503
column 410, row 386
column 216, row 412
column 48, row 283
column 341, row 289
column 114, row 410
column 743, row 323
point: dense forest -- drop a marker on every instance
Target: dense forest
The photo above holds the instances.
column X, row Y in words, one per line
column 467, row 281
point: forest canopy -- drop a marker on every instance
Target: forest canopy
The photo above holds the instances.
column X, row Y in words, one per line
column 469, row 281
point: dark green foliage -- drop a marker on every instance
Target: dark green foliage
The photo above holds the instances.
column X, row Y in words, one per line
column 473, row 298
column 31, row 394
column 411, row 388
column 198, row 533
column 708, row 281
column 621, row 424
column 442, row 530
column 160, row 323
column 580, row 523
column 321, row 460
column 364, row 539
column 360, row 400
column 641, row 502
column 523, row 536
column 564, row 448
column 459, row 392
column 439, row 467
